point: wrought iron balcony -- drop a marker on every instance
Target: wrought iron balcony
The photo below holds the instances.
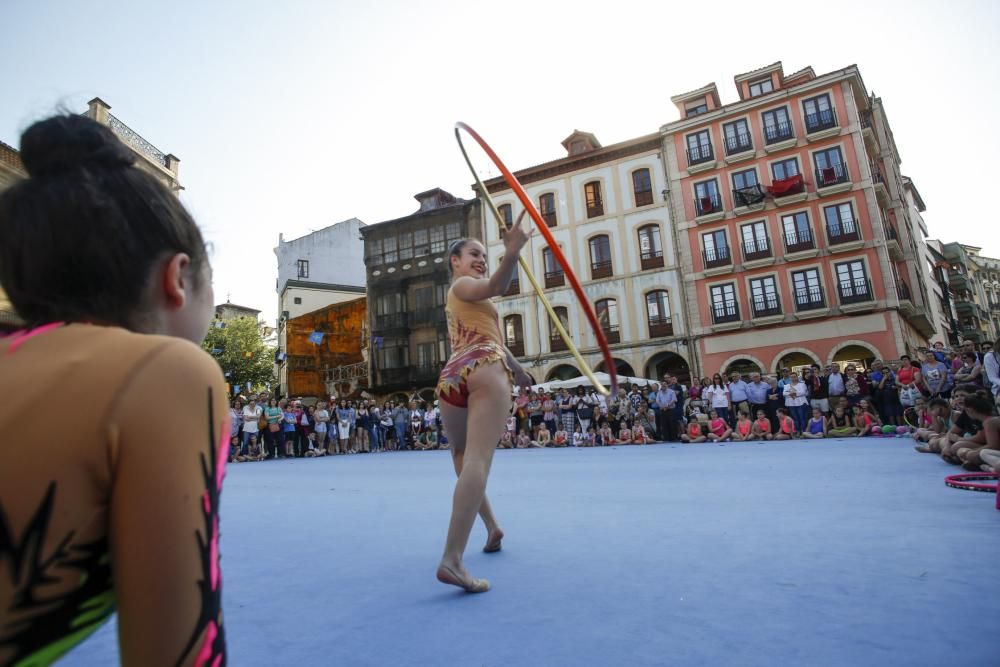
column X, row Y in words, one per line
column 821, row 120
column 612, row 334
column 809, row 298
column 643, row 197
column 840, row 233
column 595, row 209
column 555, row 278
column 855, row 291
column 786, row 187
column 391, row 376
column 904, row 291
column 516, row 347
column 890, row 232
column 660, row 326
column 708, row 204
column 651, row 259
column 725, row 311
column 556, row 343
column 779, row 132
column 799, row 241
column 426, row 316
column 513, row 288
column 135, row 140
column 600, row 270
column 392, row 321
column 756, row 249
column 766, row 306
column 748, row 196
column 428, row 371
column 714, row 257
column 866, row 119
column 740, row 143
column 700, row 154
column 833, row 174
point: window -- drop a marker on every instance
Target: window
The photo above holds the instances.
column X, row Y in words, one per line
column 600, row 257
column 514, row 335
column 607, row 317
column 755, row 243
column 389, row 245
column 595, row 205
column 852, row 282
column 297, row 300
column 303, row 268
column 506, row 214
column 798, row 234
column 716, row 252
column 514, row 287
column 830, row 167
column 745, row 179
column 724, row 306
column 421, row 247
column 374, row 250
column 819, row 113
column 777, row 125
column 758, row 88
column 699, row 147
column 556, row 343
column 437, row 240
column 642, row 187
column 406, row 245
column 650, row 254
column 695, row 110
column 454, row 231
column 554, row 276
column 658, row 314
column 764, row 297
column 746, row 188
column 808, row 291
column 394, row 353
column 547, row 207
column 441, row 294
column 841, row 227
column 785, row 169
column 426, row 356
column 423, row 298
column 706, row 197
column 737, row 136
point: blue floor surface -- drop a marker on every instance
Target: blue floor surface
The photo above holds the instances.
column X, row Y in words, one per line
column 841, row 552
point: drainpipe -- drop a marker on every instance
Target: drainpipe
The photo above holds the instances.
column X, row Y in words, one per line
column 694, row 364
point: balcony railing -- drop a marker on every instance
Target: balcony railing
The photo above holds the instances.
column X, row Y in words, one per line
column 756, row 249
column 740, row 143
column 600, row 270
column 766, row 306
column 878, row 176
column 725, row 311
column 858, row 290
column 821, row 120
column 890, row 232
column 426, row 316
column 135, row 140
column 809, row 298
column 516, row 347
column 708, row 204
column 719, row 256
column 799, row 241
column 778, row 132
column 840, row 233
column 833, row 174
column 389, row 376
column 700, row 154
column 651, row 259
column 785, row 187
column 643, row 197
column 555, row 278
column 612, row 334
column 513, row 288
column 866, row 119
column 748, row 196
column 595, row 209
column 556, row 343
column 904, row 290
column 392, row 321
column 660, row 326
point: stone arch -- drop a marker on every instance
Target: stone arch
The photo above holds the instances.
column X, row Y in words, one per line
column 562, row 372
column 667, row 361
column 805, row 357
column 850, row 348
column 742, row 357
column 622, row 367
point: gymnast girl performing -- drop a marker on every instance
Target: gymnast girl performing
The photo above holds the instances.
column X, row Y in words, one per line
column 119, row 507
column 475, row 393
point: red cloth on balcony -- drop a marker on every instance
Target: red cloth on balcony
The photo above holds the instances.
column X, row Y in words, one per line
column 783, row 186
column 706, row 204
column 829, row 175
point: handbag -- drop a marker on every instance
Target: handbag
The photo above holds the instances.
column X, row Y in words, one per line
column 273, row 428
column 262, row 422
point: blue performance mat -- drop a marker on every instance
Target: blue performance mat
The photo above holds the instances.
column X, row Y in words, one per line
column 840, row 552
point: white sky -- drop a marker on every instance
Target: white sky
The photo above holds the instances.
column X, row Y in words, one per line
column 291, row 116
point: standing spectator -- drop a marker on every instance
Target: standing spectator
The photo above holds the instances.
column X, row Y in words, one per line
column 757, row 394
column 400, row 419
column 678, row 413
column 908, row 380
column 549, row 414
column 534, row 409
column 584, row 412
column 307, row 422
column 991, row 368
column 783, row 378
column 235, row 419
column 567, row 407
column 971, row 371
column 288, row 427
column 416, row 421
column 738, row 394
column 797, row 402
column 362, row 426
column 852, row 386
column 272, row 436
column 936, row 377
column 819, row 385
column 251, row 415
column 666, row 401
column 718, row 397
column 321, row 417
column 835, row 385
column 775, row 400
column 884, row 388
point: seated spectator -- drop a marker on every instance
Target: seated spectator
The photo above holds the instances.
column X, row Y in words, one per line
column 524, row 440
column 786, row 426
column 313, row 449
column 762, row 427
column 933, row 422
column 694, row 432
column 744, row 427
column 506, row 442
column 590, row 439
column 559, row 439
column 579, row 437
column 816, row 427
column 625, row 434
column 254, row 451
column 718, row 429
column 544, row 437
column 840, row 424
column 987, row 455
column 965, row 431
column 606, row 436
column 639, row 436
column 871, row 417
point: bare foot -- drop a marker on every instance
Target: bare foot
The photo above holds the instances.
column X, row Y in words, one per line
column 447, row 575
column 923, row 448
column 493, row 540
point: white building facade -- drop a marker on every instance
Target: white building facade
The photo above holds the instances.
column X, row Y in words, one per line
column 605, row 208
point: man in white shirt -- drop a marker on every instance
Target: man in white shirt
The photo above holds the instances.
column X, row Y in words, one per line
column 251, row 413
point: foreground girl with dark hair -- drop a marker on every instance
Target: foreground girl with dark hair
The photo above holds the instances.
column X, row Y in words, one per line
column 111, row 276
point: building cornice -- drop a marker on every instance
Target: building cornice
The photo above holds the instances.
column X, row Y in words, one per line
column 755, row 74
column 327, row 287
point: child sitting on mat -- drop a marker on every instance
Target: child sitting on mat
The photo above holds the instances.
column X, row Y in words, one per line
column 863, row 422
column 639, row 436
column 579, row 437
column 982, row 457
column 590, row 439
column 694, row 433
column 544, row 437
column 559, row 439
column 840, row 424
column 606, row 436
column 937, row 424
column 762, row 427
column 744, row 427
column 718, row 429
column 786, row 426
column 816, row 427
column 625, row 434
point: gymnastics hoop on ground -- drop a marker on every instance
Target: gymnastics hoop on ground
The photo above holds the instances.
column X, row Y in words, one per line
column 529, row 206
column 911, row 417
column 965, row 481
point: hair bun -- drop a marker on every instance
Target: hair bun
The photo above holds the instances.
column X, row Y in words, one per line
column 66, row 143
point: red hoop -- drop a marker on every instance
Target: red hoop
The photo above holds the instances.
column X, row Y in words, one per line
column 529, row 206
column 966, row 481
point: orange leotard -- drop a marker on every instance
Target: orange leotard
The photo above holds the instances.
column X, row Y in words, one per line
column 474, row 333
column 110, row 474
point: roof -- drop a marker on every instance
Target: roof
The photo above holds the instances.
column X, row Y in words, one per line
column 757, row 72
column 708, row 89
column 11, row 156
column 330, row 287
column 236, row 306
column 380, row 226
column 908, row 183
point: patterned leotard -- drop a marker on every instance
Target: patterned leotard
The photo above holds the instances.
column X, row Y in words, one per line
column 474, row 333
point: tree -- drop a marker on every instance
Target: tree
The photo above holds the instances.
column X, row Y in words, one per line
column 238, row 345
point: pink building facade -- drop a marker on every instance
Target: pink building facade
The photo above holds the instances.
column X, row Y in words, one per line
column 796, row 245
